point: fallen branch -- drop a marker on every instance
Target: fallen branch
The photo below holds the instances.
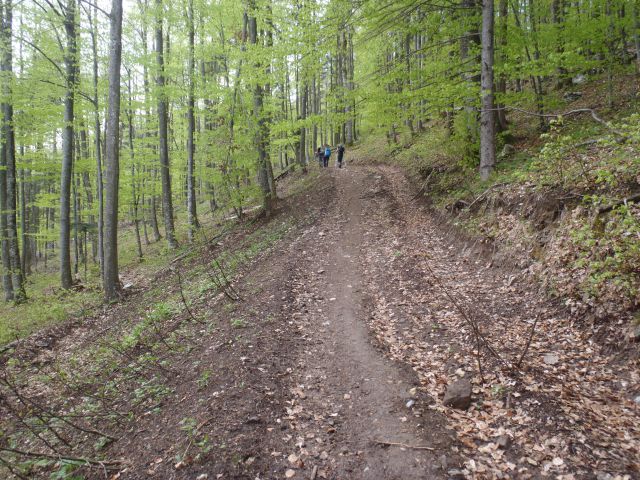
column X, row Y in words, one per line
column 184, row 300
column 111, row 464
column 403, row 445
column 621, row 136
column 485, row 193
column 608, row 208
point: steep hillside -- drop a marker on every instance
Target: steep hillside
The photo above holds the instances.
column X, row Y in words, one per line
column 562, row 205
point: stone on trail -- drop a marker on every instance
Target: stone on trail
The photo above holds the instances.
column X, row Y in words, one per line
column 503, row 441
column 458, row 394
column 634, row 335
column 550, row 359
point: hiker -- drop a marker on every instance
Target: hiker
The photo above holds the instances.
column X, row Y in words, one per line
column 327, row 155
column 340, row 154
column 320, row 156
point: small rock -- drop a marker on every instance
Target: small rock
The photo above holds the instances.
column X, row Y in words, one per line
column 455, row 474
column 634, row 335
column 503, row 441
column 411, row 403
column 458, row 394
column 202, row 476
column 604, row 476
column 507, row 151
column 444, row 463
column 578, row 79
column 290, row 473
column 253, row 420
column 572, row 96
column 637, row 400
column 43, row 343
column 550, row 358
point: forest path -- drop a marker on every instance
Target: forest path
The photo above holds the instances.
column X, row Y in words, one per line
column 334, row 361
column 345, row 384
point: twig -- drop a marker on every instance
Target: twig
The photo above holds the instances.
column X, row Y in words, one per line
column 591, row 111
column 403, row 445
column 89, row 461
column 484, row 193
column 526, row 348
column 314, row 472
column 184, row 300
column 472, row 323
column 12, row 470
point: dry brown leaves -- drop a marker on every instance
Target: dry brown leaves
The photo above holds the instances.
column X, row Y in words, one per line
column 569, row 411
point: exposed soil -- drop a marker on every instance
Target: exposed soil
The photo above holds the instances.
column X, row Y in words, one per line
column 334, row 362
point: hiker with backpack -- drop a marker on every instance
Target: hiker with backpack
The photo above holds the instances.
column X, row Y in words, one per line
column 340, row 155
column 327, row 155
column 319, row 156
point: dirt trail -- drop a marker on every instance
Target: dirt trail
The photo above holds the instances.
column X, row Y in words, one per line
column 334, row 363
column 347, row 384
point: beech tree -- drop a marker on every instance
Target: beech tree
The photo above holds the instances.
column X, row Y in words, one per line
column 223, row 96
column 112, row 159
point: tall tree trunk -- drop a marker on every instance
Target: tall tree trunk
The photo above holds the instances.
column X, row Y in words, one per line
column 71, row 72
column 9, row 154
column 636, row 32
column 112, row 157
column 7, row 283
column 262, row 132
column 135, row 200
column 163, row 138
column 487, row 117
column 191, row 126
column 302, row 154
column 501, row 86
column 97, row 133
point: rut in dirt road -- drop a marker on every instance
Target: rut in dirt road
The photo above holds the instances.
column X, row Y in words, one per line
column 349, row 387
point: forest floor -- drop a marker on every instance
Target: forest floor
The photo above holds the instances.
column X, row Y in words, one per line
column 357, row 308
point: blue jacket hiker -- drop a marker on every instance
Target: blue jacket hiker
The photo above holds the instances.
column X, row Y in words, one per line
column 327, row 155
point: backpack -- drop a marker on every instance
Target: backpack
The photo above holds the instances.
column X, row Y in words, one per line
column 327, row 152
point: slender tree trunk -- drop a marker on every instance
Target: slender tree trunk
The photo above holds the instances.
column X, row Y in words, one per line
column 9, row 154
column 163, row 136
column 487, row 117
column 262, row 132
column 97, row 133
column 191, row 126
column 76, row 223
column 302, row 154
column 134, row 193
column 71, row 71
column 153, row 209
column 112, row 159
column 501, row 87
column 7, row 283
column 636, row 32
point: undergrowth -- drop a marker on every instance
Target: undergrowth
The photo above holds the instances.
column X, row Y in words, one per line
column 557, row 197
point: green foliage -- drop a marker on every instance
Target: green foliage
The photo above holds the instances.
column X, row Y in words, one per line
column 608, row 254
